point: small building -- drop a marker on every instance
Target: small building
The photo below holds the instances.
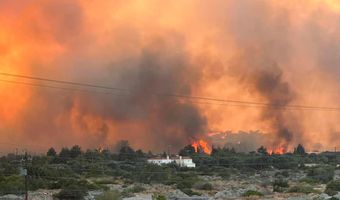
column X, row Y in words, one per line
column 179, row 160
column 185, row 162
column 160, row 161
column 311, row 164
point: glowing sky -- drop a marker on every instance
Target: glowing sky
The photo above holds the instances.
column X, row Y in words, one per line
column 250, row 50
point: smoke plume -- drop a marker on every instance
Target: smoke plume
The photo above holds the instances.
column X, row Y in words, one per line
column 263, row 77
column 279, row 53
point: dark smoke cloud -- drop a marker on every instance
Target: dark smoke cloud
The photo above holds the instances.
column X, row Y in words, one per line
column 262, row 76
column 161, row 68
column 270, row 84
column 279, row 53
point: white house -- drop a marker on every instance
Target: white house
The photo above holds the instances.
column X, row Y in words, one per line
column 160, row 161
column 185, row 162
column 179, row 160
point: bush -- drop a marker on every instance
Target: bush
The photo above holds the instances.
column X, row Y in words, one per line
column 104, row 181
column 249, row 193
column 109, row 195
column 152, row 174
column 284, row 162
column 202, row 186
column 11, row 184
column 321, row 174
column 333, row 187
column 308, row 180
column 302, row 189
column 189, row 192
column 282, row 174
column 66, row 183
column 280, row 185
column 134, row 189
column 224, row 174
column 186, row 180
column 72, row 193
column 158, row 197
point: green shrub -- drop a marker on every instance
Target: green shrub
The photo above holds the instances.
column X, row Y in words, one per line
column 128, row 192
column 321, row 174
column 282, row 174
column 302, row 189
column 11, row 184
column 72, row 193
column 308, row 180
column 158, row 197
column 186, row 180
column 189, row 192
column 224, row 174
column 136, row 189
column 249, row 193
column 66, row 183
column 109, row 195
column 280, row 185
column 152, row 174
column 202, row 186
column 333, row 187
column 104, row 181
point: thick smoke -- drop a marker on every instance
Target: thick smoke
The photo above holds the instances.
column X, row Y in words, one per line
column 263, row 77
column 260, row 51
column 160, row 120
column 278, row 94
column 270, row 84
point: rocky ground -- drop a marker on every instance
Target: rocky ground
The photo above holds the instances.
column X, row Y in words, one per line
column 232, row 188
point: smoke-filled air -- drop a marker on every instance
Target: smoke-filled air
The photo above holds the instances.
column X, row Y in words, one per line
column 260, row 72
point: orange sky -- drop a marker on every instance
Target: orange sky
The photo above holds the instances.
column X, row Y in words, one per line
column 221, row 49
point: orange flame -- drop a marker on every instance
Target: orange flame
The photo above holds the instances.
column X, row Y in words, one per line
column 201, row 144
column 100, row 149
column 279, row 151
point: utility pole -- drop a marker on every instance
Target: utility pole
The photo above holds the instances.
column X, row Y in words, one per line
column 25, row 173
column 169, row 152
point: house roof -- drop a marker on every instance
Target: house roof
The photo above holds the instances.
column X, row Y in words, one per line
column 171, row 158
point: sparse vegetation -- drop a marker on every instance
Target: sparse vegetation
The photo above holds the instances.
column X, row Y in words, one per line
column 249, row 193
column 135, row 189
column 190, row 192
column 96, row 169
column 203, row 186
column 11, row 185
column 333, row 187
column 158, row 197
column 306, row 189
column 280, row 185
column 109, row 195
column 321, row 174
column 72, row 192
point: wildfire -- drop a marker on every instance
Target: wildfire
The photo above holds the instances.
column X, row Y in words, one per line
column 100, row 149
column 279, row 150
column 201, row 145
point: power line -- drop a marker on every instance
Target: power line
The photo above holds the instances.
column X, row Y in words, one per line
column 191, row 101
column 62, row 88
column 63, row 82
column 131, row 92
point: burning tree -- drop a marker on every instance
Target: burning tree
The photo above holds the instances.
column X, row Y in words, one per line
column 262, row 150
column 300, row 150
column 201, row 146
column 188, row 150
